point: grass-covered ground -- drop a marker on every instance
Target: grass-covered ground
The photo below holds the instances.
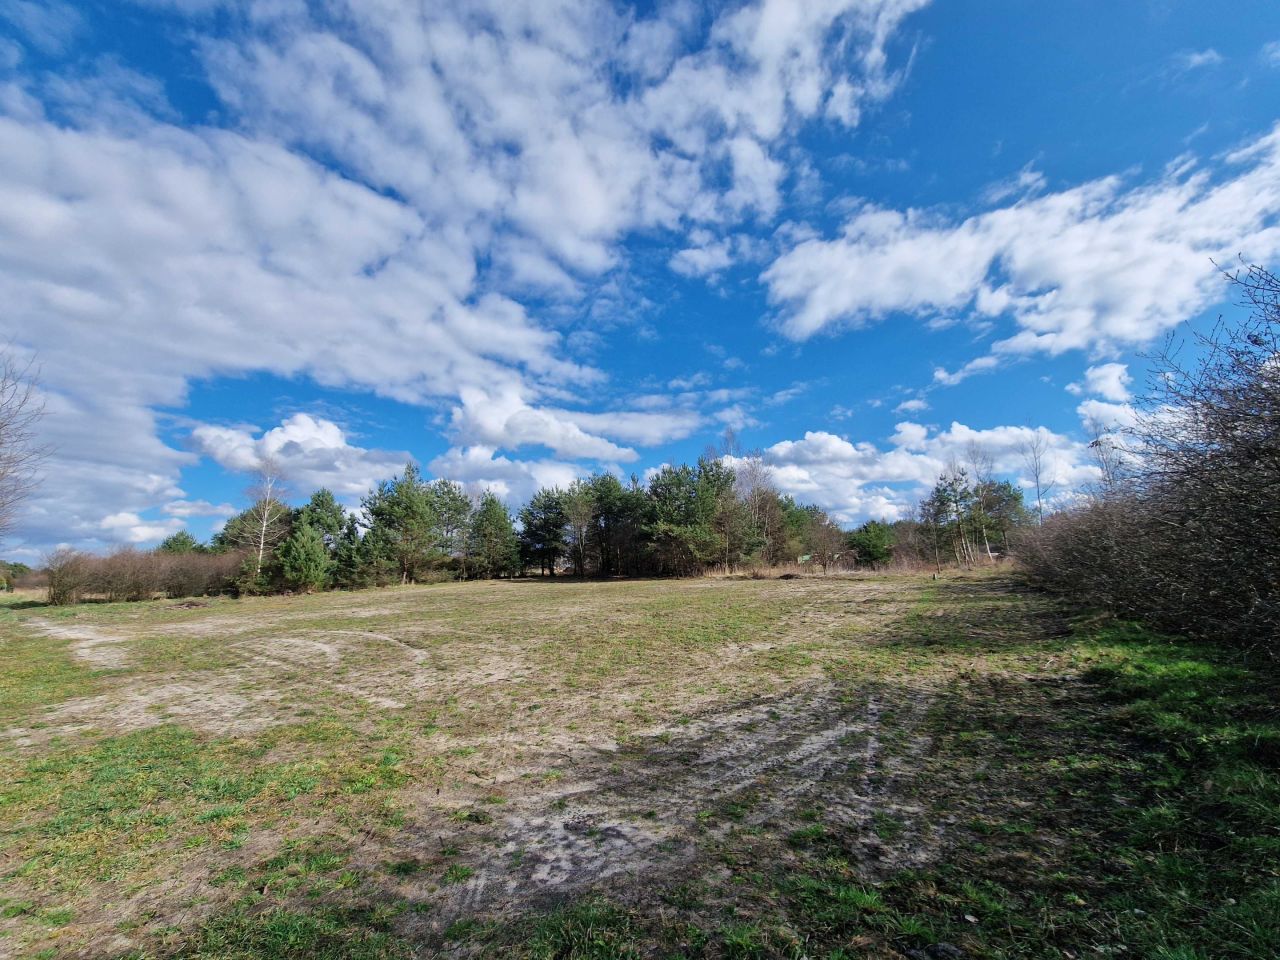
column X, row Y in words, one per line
column 823, row 768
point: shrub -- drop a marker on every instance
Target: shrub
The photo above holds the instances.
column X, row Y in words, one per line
column 1191, row 540
column 66, row 571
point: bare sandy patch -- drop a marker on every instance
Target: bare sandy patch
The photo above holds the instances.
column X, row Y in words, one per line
column 99, row 648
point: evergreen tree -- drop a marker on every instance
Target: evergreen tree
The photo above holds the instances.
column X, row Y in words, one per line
column 350, row 569
column 180, row 542
column 493, row 550
column 304, row 559
column 451, row 509
column 872, row 543
column 403, row 529
column 325, row 515
column 542, row 525
column 580, row 516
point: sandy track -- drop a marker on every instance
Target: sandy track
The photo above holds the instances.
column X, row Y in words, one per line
column 647, row 812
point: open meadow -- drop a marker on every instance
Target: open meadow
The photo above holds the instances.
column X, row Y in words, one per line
column 878, row 766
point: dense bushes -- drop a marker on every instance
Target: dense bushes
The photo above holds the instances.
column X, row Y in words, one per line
column 1187, row 533
column 130, row 574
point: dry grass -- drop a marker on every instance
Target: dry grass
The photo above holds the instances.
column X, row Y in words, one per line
column 819, row 767
column 188, row 742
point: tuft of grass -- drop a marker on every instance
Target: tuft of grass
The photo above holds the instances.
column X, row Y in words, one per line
column 247, row 932
column 591, row 930
column 457, row 873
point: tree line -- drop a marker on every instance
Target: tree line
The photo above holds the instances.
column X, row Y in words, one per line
column 722, row 513
column 684, row 521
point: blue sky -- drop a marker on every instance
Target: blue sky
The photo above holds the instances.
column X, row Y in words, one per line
column 517, row 243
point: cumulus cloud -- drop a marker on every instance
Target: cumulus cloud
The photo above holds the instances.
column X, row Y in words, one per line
column 857, row 481
column 132, row 529
column 390, row 181
column 1104, row 264
column 709, row 257
column 479, row 468
column 1100, row 416
column 1110, row 381
column 310, row 452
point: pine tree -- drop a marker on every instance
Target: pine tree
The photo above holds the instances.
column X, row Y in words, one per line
column 542, row 525
column 493, row 548
column 304, row 559
column 325, row 514
column 403, row 526
column 180, row 542
column 349, row 568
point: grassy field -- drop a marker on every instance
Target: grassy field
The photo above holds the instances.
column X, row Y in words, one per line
column 821, row 768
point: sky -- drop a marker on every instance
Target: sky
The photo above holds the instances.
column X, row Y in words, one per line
column 520, row 241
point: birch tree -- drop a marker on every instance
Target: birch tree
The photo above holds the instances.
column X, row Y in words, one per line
column 1035, row 459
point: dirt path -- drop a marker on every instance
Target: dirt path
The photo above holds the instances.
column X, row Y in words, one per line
column 627, row 819
column 98, row 648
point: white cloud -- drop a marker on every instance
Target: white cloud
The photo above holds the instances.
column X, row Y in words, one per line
column 914, row 405
column 1103, row 417
column 48, row 25
column 856, row 481
column 465, row 157
column 1093, row 267
column 786, row 394
column 950, row 378
column 1025, row 182
column 1270, row 53
column 311, row 452
column 645, row 428
column 1195, row 59
column 1110, row 381
column 708, row 259
column 480, row 468
column 132, row 529
column 198, row 508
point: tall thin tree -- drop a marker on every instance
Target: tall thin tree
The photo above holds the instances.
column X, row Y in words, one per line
column 21, row 408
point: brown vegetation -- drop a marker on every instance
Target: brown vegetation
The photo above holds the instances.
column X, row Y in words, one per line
column 1185, row 531
column 130, row 574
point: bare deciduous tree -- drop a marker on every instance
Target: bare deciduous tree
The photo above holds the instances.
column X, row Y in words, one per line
column 265, row 523
column 1035, row 458
column 21, row 408
column 1107, row 454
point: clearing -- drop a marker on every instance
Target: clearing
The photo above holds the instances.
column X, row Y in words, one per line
column 889, row 766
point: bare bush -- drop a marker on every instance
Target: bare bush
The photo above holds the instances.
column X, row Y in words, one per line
column 125, row 574
column 1191, row 539
column 67, row 573
column 131, row 574
column 198, row 574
